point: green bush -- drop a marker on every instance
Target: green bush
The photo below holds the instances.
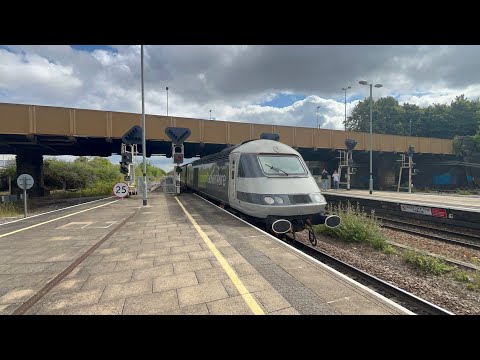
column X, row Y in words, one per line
column 357, row 227
column 82, row 177
column 426, row 263
column 97, row 189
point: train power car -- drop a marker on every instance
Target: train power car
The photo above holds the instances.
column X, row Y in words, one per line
column 264, row 180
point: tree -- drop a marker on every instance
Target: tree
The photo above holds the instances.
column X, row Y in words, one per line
column 152, row 170
column 464, row 115
column 10, row 169
column 359, row 120
column 388, row 117
column 412, row 115
column 461, row 117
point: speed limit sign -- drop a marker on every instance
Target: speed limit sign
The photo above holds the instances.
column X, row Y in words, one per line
column 120, row 189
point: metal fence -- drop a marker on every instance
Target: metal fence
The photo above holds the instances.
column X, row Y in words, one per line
column 167, row 185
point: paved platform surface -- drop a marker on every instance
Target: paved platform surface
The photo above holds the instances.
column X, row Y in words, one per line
column 463, row 202
column 159, row 262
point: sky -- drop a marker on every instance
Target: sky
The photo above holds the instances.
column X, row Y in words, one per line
column 268, row 84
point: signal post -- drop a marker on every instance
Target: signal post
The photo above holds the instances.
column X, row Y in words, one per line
column 178, row 136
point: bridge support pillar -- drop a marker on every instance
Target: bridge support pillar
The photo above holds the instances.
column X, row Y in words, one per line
column 385, row 172
column 31, row 162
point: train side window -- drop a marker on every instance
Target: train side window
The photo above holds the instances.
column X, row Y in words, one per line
column 241, row 171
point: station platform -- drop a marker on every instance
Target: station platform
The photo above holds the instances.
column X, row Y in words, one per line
column 455, row 202
column 178, row 255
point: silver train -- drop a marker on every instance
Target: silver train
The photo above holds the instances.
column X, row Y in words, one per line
column 264, row 180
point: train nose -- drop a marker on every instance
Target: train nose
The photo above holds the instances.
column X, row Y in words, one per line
column 281, row 226
column 332, row 221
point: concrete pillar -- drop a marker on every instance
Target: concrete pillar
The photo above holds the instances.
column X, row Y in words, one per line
column 384, row 170
column 31, row 162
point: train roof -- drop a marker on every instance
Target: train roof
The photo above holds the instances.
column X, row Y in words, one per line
column 265, row 146
column 250, row 146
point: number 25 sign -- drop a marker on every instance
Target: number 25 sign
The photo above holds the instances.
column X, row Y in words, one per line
column 120, row 189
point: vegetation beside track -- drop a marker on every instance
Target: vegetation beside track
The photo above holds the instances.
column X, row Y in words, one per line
column 357, row 227
column 82, row 177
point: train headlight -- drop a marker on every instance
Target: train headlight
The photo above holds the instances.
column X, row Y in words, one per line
column 278, row 200
column 317, row 198
column 269, row 200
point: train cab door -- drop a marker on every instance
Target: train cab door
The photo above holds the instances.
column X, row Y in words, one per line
column 232, row 175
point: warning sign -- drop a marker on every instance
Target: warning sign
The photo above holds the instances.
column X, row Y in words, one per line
column 439, row 212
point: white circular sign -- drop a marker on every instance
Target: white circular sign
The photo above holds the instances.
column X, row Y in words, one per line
column 120, row 189
column 25, row 181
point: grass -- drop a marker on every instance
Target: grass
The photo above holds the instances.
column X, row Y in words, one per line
column 9, row 209
column 426, row 263
column 356, row 227
column 465, row 192
column 471, row 278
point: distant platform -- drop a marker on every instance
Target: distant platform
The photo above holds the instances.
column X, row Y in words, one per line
column 469, row 203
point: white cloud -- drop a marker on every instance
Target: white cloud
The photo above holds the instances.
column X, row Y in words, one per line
column 233, row 80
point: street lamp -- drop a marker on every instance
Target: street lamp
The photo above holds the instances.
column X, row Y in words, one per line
column 144, row 141
column 167, row 100
column 318, row 126
column 210, row 114
column 345, row 89
column 363, row 82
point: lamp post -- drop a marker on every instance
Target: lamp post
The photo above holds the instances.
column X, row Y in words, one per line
column 363, row 82
column 318, row 126
column 144, row 142
column 210, row 114
column 410, row 127
column 167, row 100
column 345, row 89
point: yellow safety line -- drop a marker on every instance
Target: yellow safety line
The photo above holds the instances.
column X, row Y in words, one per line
column 247, row 297
column 49, row 221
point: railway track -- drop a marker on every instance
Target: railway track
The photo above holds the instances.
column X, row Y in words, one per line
column 448, row 236
column 408, row 300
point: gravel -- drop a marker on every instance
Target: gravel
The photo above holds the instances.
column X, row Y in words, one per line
column 440, row 290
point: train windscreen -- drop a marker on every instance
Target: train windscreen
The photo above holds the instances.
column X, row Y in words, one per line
column 281, row 165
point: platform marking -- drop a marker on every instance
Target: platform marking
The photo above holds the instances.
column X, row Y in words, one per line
column 247, row 297
column 84, row 223
column 52, row 220
column 105, row 227
column 49, row 212
column 57, row 238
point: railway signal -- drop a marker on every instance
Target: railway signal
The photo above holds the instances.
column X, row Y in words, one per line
column 346, row 161
column 127, row 157
column 178, row 154
column 178, row 136
column 124, row 168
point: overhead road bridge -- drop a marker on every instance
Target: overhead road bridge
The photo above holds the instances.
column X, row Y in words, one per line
column 31, row 131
